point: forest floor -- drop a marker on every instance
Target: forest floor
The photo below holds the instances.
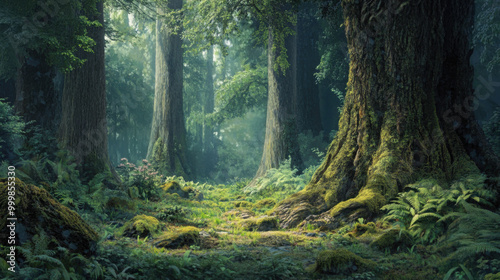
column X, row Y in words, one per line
column 229, row 235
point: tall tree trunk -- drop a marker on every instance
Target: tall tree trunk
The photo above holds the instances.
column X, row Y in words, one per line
column 168, row 134
column 409, row 71
column 307, row 99
column 83, row 129
column 209, row 149
column 281, row 130
column 37, row 98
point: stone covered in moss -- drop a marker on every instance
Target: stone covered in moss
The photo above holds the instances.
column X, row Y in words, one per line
column 392, row 239
column 341, row 261
column 260, row 224
column 492, row 276
column 142, row 226
column 179, row 237
column 36, row 209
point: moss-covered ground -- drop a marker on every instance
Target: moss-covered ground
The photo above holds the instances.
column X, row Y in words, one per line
column 231, row 234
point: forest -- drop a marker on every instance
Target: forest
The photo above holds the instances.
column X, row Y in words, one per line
column 250, row 139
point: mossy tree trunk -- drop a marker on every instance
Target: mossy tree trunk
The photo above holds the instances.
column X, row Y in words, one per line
column 281, row 129
column 409, row 71
column 83, row 129
column 307, row 99
column 167, row 144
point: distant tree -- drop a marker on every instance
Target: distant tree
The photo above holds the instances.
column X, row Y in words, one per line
column 167, row 145
column 209, row 143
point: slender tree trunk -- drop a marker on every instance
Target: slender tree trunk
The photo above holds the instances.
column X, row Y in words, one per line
column 409, row 71
column 307, row 99
column 281, row 130
column 37, row 98
column 168, row 134
column 83, row 128
column 209, row 149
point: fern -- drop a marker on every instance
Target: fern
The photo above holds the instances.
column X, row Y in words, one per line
column 474, row 232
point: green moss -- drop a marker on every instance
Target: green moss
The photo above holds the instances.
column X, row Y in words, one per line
column 265, row 203
column 141, row 225
column 174, row 187
column 341, row 261
column 360, row 229
column 392, row 239
column 259, row 224
column 492, row 276
column 36, row 208
column 179, row 237
column 187, row 192
column 243, row 204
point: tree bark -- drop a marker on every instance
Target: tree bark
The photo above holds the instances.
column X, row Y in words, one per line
column 168, row 134
column 409, row 70
column 281, row 129
column 307, row 98
column 83, row 129
column 37, row 98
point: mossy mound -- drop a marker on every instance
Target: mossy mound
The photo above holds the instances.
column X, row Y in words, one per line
column 492, row 276
column 392, row 239
column 341, row 261
column 36, row 209
column 184, row 192
column 265, row 203
column 141, row 225
column 179, row 237
column 260, row 224
column 243, row 204
column 361, row 229
column 279, row 238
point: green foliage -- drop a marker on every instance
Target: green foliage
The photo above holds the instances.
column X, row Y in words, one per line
column 144, row 177
column 491, row 129
column 10, row 132
column 44, row 263
column 488, row 265
column 426, row 209
column 476, row 231
column 174, row 213
column 486, row 33
column 51, row 29
column 281, row 182
column 241, row 92
column 213, row 21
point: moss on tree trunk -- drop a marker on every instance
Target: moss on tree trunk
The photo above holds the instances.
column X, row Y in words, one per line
column 409, row 66
column 167, row 144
